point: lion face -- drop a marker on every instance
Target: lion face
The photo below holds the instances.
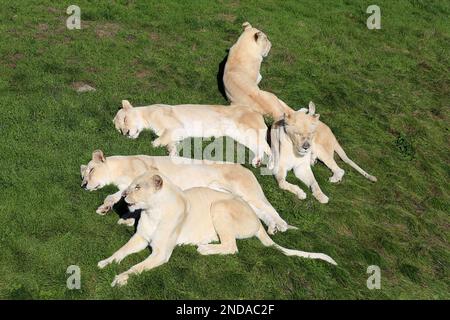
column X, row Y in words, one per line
column 127, row 121
column 95, row 174
column 300, row 128
column 140, row 192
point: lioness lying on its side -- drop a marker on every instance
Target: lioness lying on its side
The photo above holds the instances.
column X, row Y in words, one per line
column 185, row 173
column 172, row 124
column 197, row 216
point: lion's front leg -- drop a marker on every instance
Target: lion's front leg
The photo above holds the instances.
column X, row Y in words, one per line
column 170, row 140
column 156, row 259
column 109, row 202
column 305, row 174
column 283, row 184
column 135, row 244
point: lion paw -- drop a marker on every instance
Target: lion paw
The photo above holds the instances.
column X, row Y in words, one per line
column 120, row 280
column 301, row 194
column 256, row 162
column 127, row 222
column 103, row 209
column 322, row 198
column 103, row 263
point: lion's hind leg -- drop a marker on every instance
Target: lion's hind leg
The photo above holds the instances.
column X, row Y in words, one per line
column 232, row 218
column 329, row 161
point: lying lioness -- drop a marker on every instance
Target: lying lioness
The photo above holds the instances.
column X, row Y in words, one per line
column 196, row 216
column 301, row 137
column 185, row 173
column 241, row 74
column 172, row 124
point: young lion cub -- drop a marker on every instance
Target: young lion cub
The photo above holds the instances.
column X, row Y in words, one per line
column 197, row 216
column 172, row 124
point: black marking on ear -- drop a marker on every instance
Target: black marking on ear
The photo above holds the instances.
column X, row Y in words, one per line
column 98, row 156
column 283, row 123
column 157, row 181
column 256, row 36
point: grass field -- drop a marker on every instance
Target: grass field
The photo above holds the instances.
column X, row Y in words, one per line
column 385, row 94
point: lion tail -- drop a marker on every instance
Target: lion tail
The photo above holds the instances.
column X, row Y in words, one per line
column 268, row 242
column 346, row 159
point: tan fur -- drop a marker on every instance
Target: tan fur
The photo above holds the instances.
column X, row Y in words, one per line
column 172, row 124
column 196, row 216
column 291, row 149
column 241, row 79
column 241, row 75
column 185, row 173
column 324, row 143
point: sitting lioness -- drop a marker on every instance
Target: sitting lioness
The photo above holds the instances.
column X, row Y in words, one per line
column 172, row 124
column 241, row 74
column 185, row 173
column 196, row 216
column 301, row 136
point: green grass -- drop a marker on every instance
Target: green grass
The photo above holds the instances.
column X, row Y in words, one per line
column 384, row 93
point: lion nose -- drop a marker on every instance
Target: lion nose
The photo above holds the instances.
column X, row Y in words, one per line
column 306, row 145
column 83, row 185
column 125, row 194
column 127, row 132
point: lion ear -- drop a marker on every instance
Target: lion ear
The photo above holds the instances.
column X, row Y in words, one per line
column 126, row 104
column 98, row 156
column 246, row 25
column 258, row 35
column 157, row 181
column 82, row 169
column 312, row 108
column 286, row 118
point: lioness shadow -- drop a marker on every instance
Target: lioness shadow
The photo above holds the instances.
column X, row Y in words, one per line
column 220, row 72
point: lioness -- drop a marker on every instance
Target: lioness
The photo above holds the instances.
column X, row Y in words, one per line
column 172, row 124
column 300, row 138
column 324, row 143
column 185, row 173
column 291, row 149
column 241, row 74
column 197, row 216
